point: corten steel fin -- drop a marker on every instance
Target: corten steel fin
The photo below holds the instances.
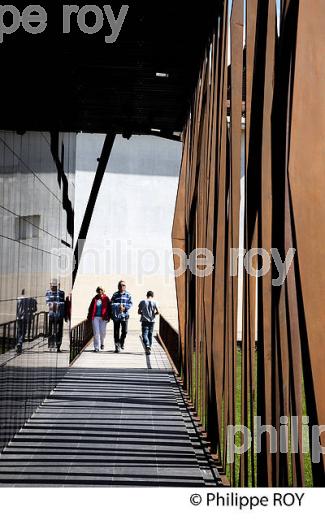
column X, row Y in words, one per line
column 179, row 242
column 265, row 235
column 210, row 230
column 307, row 183
column 220, row 282
column 236, row 98
column 250, row 240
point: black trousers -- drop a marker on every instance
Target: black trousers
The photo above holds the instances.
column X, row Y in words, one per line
column 22, row 326
column 55, row 332
column 122, row 326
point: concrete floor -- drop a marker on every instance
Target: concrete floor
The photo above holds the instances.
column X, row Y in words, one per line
column 132, row 357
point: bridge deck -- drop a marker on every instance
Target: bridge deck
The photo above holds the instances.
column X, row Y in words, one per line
column 113, row 420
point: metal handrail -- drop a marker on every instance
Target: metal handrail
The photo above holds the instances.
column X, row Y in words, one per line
column 36, row 329
column 170, row 339
column 80, row 336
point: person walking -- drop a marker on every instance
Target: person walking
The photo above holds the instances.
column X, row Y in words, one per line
column 148, row 309
column 99, row 315
column 55, row 299
column 25, row 312
column 121, row 303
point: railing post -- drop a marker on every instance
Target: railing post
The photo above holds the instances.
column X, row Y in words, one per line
column 170, row 338
column 80, row 335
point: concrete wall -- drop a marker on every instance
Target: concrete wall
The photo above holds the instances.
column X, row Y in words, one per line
column 130, row 233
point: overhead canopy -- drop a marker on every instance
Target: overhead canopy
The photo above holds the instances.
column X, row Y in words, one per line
column 77, row 82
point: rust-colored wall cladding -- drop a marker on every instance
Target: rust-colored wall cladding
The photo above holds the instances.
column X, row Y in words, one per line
column 257, row 122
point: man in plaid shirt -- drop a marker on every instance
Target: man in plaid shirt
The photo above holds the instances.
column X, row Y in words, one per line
column 121, row 303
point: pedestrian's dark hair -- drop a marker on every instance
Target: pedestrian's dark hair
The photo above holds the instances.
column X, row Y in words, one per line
column 149, row 294
column 121, row 282
column 99, row 289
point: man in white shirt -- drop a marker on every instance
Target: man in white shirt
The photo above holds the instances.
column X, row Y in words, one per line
column 148, row 309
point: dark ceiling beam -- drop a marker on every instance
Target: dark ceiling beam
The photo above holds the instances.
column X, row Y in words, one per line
column 101, row 168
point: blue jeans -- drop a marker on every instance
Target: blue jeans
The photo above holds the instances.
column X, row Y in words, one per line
column 147, row 331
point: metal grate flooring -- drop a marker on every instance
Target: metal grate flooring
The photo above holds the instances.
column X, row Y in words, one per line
column 110, row 426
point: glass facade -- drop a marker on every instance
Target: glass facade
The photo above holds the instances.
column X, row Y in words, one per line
column 37, row 172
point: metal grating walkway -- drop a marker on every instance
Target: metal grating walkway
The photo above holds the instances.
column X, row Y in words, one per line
column 111, row 426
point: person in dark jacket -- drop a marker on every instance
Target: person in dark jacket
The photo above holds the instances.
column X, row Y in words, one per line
column 55, row 300
column 26, row 309
column 99, row 314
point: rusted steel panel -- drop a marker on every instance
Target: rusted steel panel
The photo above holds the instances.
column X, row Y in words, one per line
column 250, row 241
column 258, row 148
column 179, row 242
column 210, row 230
column 236, row 28
column 236, row 97
column 307, row 184
column 292, row 314
column 220, row 283
column 197, row 122
column 294, row 340
column 289, row 341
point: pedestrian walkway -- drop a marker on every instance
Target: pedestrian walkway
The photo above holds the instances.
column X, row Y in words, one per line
column 113, row 420
column 133, row 356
